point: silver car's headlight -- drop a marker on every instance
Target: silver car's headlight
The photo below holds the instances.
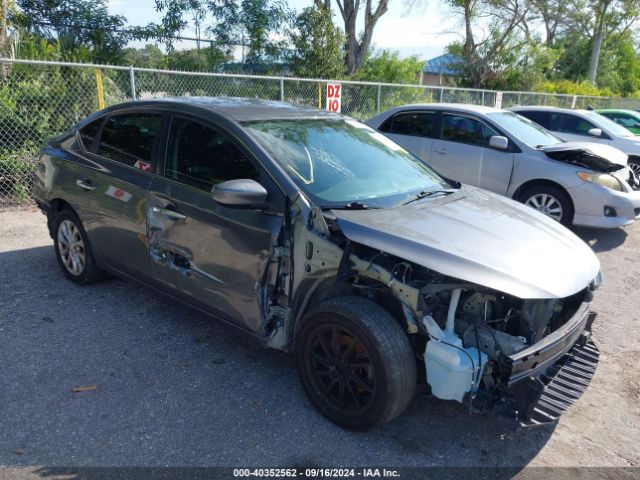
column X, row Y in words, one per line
column 602, row 179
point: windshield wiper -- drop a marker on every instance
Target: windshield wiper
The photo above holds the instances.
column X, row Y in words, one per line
column 351, row 206
column 425, row 194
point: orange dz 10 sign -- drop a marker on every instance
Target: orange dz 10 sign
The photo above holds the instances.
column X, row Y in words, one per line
column 334, row 97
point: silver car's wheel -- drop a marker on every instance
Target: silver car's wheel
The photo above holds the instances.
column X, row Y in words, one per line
column 71, row 247
column 635, row 168
column 547, row 204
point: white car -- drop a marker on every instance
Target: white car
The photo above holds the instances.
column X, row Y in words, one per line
column 586, row 126
column 575, row 183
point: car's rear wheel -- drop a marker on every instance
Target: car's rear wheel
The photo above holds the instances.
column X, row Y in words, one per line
column 550, row 200
column 73, row 250
column 355, row 362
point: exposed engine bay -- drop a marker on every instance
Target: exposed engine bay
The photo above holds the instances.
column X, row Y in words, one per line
column 479, row 328
column 494, row 324
column 585, row 159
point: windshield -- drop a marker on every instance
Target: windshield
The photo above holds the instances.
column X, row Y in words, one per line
column 341, row 161
column 611, row 126
column 524, row 129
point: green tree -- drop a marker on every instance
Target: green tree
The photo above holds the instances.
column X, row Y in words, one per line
column 150, row 56
column 204, row 59
column 319, row 45
column 585, row 33
column 254, row 25
column 388, row 67
column 179, row 15
column 492, row 32
column 609, row 14
column 358, row 43
column 83, row 29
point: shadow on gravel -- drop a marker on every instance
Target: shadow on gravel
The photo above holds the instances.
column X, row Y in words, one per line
column 602, row 240
column 176, row 388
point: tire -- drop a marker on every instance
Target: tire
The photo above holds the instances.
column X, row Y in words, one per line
column 634, row 164
column 352, row 348
column 549, row 199
column 73, row 249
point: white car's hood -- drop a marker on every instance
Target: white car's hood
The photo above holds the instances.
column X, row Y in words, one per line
column 480, row 237
column 606, row 152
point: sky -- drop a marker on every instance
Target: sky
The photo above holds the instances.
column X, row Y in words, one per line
column 424, row 31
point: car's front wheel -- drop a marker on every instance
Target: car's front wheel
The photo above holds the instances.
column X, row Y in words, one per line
column 550, row 200
column 355, row 362
column 73, row 250
column 634, row 165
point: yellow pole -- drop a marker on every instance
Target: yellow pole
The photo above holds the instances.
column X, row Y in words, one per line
column 100, row 89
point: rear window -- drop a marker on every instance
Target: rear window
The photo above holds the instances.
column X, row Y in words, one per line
column 129, row 138
column 541, row 118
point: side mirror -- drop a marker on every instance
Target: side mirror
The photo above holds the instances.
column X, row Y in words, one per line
column 242, row 192
column 501, row 143
column 595, row 132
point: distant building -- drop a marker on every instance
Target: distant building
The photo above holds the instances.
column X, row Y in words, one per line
column 442, row 70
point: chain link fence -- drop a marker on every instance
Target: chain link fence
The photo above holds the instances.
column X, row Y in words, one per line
column 39, row 99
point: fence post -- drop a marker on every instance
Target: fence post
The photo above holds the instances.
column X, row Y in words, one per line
column 378, row 100
column 483, row 98
column 441, row 93
column 282, row 89
column 132, row 81
column 100, row 89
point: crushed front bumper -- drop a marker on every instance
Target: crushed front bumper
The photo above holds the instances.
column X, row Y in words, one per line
column 566, row 384
column 590, row 200
column 547, row 378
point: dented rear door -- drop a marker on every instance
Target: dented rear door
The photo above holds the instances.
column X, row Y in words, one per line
column 219, row 258
column 111, row 185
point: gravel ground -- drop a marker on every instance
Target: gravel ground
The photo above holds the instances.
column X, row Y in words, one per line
column 177, row 389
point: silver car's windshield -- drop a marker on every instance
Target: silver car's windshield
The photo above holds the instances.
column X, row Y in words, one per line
column 611, row 126
column 342, row 161
column 524, row 129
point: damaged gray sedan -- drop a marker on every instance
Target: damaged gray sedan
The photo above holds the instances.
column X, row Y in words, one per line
column 322, row 237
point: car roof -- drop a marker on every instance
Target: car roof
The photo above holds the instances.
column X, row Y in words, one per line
column 238, row 109
column 460, row 107
column 617, row 110
column 549, row 109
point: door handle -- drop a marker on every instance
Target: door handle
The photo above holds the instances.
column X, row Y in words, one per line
column 167, row 212
column 442, row 151
column 85, row 184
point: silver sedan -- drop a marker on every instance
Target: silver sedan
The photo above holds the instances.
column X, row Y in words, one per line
column 579, row 183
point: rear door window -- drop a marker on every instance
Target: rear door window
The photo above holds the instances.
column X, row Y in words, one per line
column 416, row 124
column 89, row 134
column 129, row 138
column 463, row 129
